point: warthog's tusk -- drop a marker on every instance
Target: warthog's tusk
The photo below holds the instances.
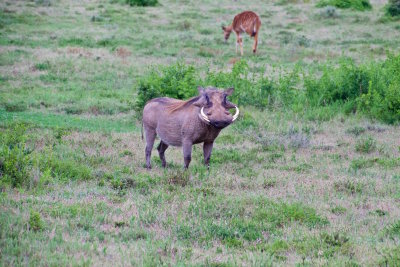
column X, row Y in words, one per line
column 236, row 114
column 204, row 116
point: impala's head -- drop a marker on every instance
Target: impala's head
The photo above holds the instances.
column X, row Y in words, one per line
column 215, row 107
column 227, row 32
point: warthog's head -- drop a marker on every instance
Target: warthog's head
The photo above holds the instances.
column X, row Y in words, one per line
column 215, row 107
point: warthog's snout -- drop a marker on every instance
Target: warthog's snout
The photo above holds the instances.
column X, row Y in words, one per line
column 220, row 124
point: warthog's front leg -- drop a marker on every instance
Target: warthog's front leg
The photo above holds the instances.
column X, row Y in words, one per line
column 207, row 148
column 161, row 150
column 187, row 153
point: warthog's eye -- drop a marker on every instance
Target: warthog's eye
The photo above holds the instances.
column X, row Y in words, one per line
column 208, row 100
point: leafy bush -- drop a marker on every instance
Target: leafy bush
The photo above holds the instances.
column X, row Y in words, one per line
column 35, row 221
column 14, row 157
column 177, row 81
column 393, row 8
column 342, row 84
column 382, row 101
column 372, row 89
column 360, row 5
column 142, row 2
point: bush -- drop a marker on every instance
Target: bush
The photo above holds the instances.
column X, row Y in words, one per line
column 14, row 157
column 35, row 221
column 177, row 81
column 382, row 101
column 360, row 5
column 142, row 2
column 393, row 8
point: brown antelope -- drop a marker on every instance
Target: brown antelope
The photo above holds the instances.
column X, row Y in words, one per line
column 245, row 22
column 185, row 123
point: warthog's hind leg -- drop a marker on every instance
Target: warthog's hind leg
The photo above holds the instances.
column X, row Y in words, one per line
column 161, row 150
column 150, row 137
column 207, row 148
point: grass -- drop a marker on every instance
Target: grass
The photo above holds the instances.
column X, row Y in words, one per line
column 285, row 187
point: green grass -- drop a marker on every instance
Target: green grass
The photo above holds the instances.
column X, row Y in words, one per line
column 46, row 120
column 304, row 177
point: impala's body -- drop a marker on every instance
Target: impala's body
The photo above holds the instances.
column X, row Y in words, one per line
column 245, row 22
column 185, row 123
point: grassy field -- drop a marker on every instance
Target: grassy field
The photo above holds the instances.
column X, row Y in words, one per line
column 283, row 189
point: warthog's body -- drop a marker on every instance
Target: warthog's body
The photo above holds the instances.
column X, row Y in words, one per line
column 180, row 123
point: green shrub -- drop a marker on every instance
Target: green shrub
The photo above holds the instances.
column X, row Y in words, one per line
column 15, row 159
column 35, row 221
column 393, row 8
column 360, row 5
column 382, row 101
column 343, row 84
column 177, row 81
column 142, row 2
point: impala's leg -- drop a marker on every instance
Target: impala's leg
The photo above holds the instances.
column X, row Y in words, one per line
column 237, row 46
column 161, row 150
column 241, row 45
column 255, row 43
column 187, row 153
column 237, row 41
column 207, row 148
column 150, row 137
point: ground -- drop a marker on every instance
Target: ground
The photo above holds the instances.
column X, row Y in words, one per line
column 281, row 189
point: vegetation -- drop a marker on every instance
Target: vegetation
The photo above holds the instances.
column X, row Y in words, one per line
column 372, row 89
column 359, row 5
column 142, row 2
column 308, row 174
column 393, row 9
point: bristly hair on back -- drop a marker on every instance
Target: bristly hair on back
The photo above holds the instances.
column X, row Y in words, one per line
column 182, row 104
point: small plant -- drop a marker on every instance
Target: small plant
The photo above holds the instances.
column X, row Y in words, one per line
column 15, row 106
column 142, row 2
column 366, row 145
column 35, row 221
column 356, row 130
column 359, row 5
column 338, row 210
column 268, row 183
column 43, row 66
column 349, row 187
column 178, row 177
column 393, row 230
column 393, row 8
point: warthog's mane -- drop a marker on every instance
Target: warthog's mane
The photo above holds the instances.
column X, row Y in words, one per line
column 178, row 105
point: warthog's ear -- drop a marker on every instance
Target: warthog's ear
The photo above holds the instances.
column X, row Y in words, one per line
column 223, row 28
column 200, row 89
column 229, row 91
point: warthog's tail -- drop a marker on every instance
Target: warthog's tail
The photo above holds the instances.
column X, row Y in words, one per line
column 142, row 129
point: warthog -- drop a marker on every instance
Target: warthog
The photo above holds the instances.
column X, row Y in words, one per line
column 185, row 123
